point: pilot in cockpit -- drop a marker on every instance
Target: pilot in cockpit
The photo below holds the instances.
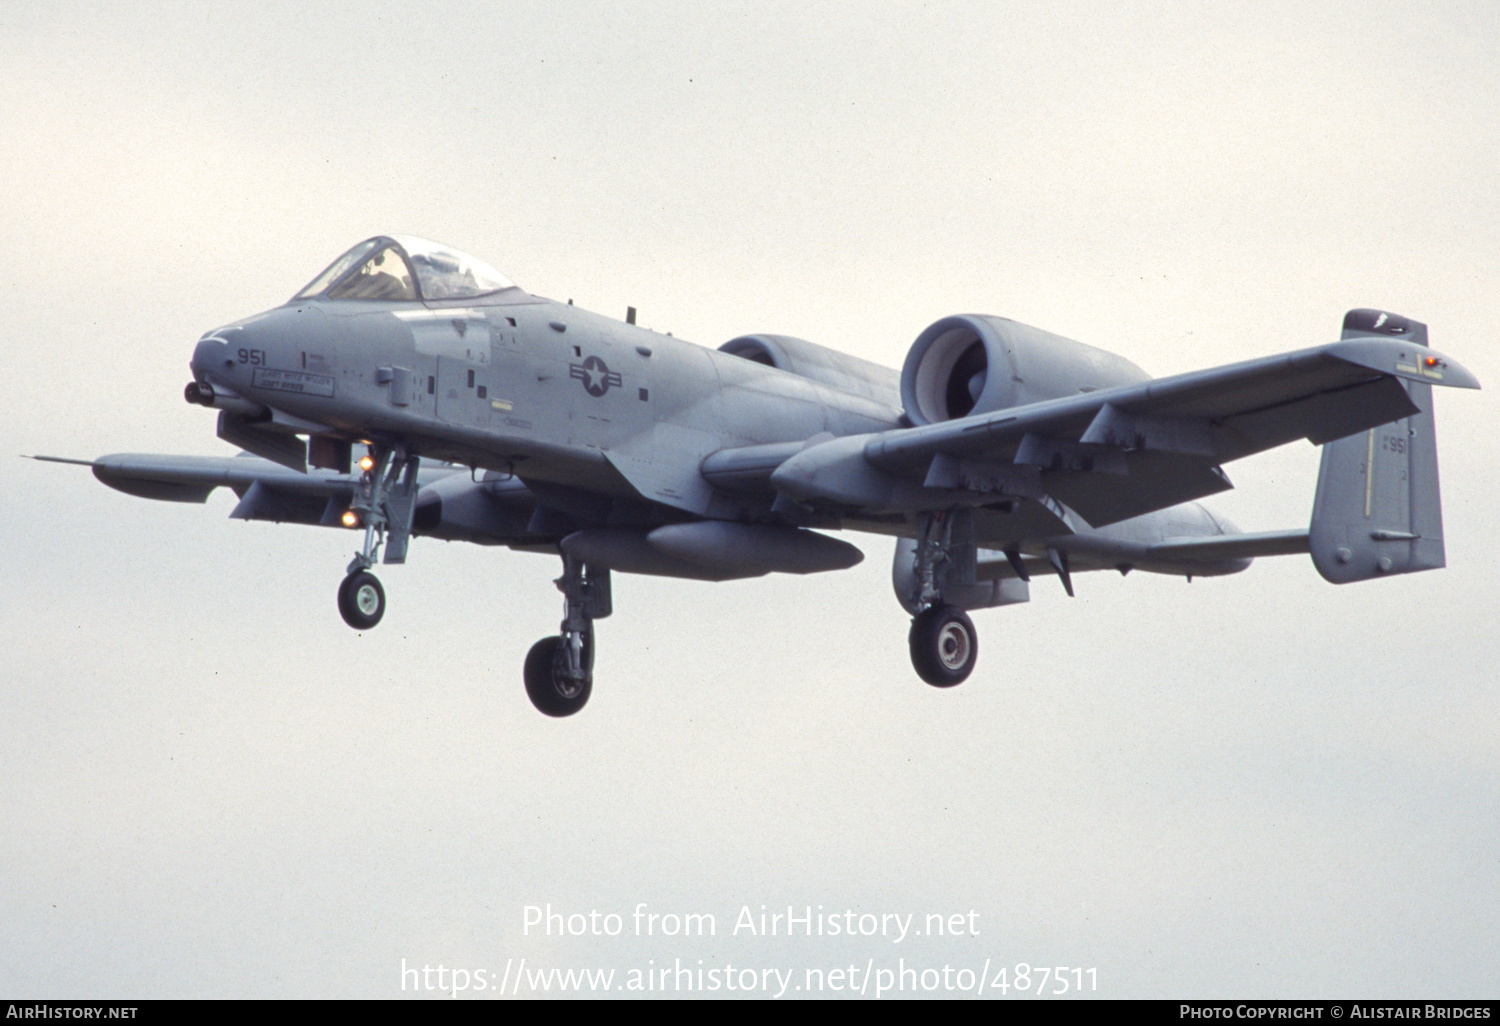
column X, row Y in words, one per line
column 442, row 276
column 384, row 276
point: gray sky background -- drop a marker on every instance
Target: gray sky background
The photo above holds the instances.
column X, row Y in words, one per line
column 1261, row 785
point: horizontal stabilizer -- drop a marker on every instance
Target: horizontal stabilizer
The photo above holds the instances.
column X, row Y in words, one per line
column 1231, row 546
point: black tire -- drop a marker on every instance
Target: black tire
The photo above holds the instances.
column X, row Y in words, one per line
column 944, row 645
column 361, row 600
column 547, row 686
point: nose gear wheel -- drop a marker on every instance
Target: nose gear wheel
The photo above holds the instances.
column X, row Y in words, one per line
column 361, row 600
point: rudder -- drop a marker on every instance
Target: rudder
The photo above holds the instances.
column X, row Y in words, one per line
column 1378, row 511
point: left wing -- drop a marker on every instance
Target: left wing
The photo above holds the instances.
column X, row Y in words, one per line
column 1121, row 452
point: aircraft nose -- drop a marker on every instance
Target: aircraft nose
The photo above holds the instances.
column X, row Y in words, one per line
column 221, row 355
column 212, row 353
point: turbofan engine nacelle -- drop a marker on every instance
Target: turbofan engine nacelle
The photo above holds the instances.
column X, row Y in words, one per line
column 817, row 363
column 975, row 363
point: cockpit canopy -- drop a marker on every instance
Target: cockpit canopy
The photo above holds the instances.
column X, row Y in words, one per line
column 400, row 267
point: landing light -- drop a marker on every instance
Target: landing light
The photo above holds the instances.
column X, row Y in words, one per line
column 350, row 518
column 367, row 463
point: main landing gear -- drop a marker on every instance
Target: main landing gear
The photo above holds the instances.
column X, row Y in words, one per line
column 560, row 670
column 944, row 644
column 383, row 502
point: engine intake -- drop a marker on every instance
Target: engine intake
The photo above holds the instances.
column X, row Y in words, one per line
column 974, row 363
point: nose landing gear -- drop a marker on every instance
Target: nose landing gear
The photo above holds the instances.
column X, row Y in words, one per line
column 383, row 502
column 559, row 671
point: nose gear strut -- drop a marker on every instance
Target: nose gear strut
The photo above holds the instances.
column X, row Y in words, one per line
column 384, row 498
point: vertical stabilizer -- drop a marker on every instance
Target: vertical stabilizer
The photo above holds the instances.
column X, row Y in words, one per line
column 1377, row 510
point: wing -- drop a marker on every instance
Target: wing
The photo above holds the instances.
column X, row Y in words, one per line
column 1121, row 452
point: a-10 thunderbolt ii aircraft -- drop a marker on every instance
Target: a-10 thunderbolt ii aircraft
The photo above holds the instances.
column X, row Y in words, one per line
column 412, row 390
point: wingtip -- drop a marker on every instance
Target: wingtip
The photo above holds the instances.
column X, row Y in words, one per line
column 1402, row 360
column 1454, row 374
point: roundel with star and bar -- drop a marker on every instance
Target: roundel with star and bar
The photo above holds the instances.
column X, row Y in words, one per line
column 596, row 376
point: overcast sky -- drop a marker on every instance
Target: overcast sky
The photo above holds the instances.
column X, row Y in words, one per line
column 1254, row 786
